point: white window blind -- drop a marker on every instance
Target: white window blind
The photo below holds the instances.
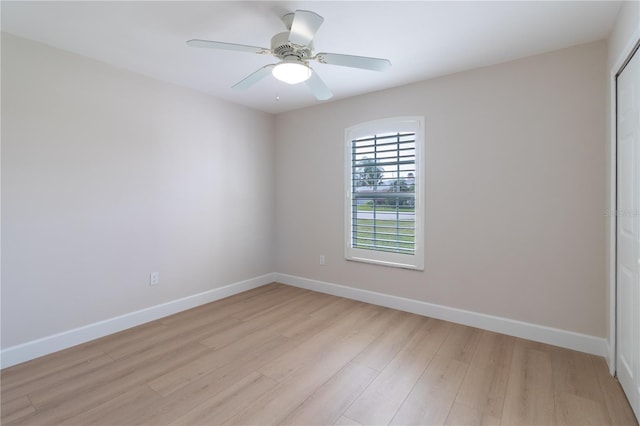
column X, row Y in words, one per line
column 384, row 203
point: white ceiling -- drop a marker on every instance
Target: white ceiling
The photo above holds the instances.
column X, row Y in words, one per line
column 423, row 39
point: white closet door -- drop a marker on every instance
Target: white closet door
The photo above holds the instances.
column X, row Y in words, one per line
column 628, row 231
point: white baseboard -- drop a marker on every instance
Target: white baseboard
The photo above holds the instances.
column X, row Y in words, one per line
column 46, row 345
column 553, row 336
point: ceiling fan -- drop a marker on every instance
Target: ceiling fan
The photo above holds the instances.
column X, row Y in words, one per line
column 294, row 48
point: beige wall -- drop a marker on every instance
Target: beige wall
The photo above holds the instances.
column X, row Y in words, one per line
column 107, row 176
column 515, row 185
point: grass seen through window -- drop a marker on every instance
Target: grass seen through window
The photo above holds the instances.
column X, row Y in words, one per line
column 396, row 236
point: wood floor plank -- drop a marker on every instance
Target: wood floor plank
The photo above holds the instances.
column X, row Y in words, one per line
column 326, row 405
column 432, row 397
column 227, row 306
column 39, row 368
column 115, row 411
column 15, row 409
column 174, row 336
column 337, row 306
column 573, row 372
column 286, row 304
column 57, row 377
column 401, row 327
column 530, row 393
column 485, row 383
column 572, row 409
column 71, row 398
column 574, row 375
column 243, row 348
column 186, row 398
column 315, row 302
column 228, row 403
column 278, row 320
column 380, row 323
column 616, row 402
column 346, row 421
column 114, row 342
column 302, row 327
column 208, row 319
column 317, row 347
column 264, row 303
column 380, row 401
column 462, row 414
column 461, row 343
column 197, row 390
column 275, row 406
column 228, row 335
column 430, row 400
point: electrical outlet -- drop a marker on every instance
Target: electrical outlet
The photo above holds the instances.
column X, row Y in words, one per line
column 322, row 259
column 154, row 278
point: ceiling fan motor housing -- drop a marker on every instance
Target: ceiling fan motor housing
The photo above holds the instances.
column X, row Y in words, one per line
column 283, row 48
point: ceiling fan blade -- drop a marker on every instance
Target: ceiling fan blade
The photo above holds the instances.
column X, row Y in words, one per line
column 254, row 78
column 318, row 88
column 373, row 64
column 227, row 46
column 304, row 26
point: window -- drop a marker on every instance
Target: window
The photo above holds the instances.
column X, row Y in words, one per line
column 384, row 208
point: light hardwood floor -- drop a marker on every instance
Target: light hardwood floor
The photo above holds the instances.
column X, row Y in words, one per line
column 283, row 355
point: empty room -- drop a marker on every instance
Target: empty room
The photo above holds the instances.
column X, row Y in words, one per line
column 320, row 213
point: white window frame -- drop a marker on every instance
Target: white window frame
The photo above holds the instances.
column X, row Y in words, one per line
column 413, row 124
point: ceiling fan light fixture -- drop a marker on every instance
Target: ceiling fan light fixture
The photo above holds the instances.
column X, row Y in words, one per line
column 291, row 72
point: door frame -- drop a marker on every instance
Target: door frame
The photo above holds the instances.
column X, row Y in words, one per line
column 627, row 52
